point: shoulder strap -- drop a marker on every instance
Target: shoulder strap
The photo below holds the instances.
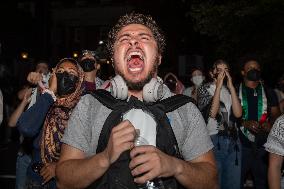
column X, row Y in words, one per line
column 174, row 102
column 159, row 109
column 105, row 98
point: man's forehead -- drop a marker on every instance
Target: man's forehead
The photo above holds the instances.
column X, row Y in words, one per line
column 251, row 63
column 67, row 64
column 134, row 29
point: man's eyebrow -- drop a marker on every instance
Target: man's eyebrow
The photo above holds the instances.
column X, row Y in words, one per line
column 123, row 35
column 147, row 34
column 128, row 35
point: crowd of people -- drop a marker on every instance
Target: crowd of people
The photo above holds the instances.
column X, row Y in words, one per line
column 138, row 130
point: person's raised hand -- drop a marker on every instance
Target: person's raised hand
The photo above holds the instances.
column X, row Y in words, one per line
column 220, row 79
column 53, row 82
column 34, row 77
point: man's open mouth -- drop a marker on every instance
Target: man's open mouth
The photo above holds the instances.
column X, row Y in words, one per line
column 135, row 61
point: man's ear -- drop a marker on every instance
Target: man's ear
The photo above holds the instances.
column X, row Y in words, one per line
column 243, row 73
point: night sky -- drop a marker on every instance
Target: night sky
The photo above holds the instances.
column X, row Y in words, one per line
column 223, row 29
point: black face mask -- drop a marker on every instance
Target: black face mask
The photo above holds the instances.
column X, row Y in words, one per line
column 66, row 83
column 171, row 83
column 253, row 75
column 88, row 65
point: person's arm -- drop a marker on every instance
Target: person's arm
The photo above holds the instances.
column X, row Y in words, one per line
column 236, row 105
column 274, row 111
column 202, row 172
column 20, row 108
column 74, row 170
column 274, row 170
column 21, row 93
column 30, row 121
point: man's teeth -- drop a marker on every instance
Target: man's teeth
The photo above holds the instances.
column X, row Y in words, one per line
column 134, row 53
column 135, row 69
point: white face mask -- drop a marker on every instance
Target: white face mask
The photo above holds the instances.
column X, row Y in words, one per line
column 197, row 80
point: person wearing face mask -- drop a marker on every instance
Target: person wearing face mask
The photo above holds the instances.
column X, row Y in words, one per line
column 41, row 73
column 174, row 84
column 28, row 96
column 46, row 121
column 260, row 110
column 90, row 66
column 219, row 103
column 197, row 78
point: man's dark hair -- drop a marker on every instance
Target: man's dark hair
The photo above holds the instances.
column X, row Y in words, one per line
column 40, row 61
column 247, row 58
column 136, row 18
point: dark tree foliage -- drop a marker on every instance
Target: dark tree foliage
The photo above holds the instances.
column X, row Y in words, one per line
column 237, row 28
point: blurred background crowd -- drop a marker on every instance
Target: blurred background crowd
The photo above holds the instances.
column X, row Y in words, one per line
column 35, row 35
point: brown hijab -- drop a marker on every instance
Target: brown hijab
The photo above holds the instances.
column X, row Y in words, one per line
column 57, row 117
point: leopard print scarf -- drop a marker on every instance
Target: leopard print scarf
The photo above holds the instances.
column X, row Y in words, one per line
column 56, row 120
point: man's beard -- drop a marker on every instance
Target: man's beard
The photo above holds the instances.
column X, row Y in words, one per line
column 138, row 86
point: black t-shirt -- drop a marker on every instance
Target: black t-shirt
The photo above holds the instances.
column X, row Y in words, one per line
column 252, row 99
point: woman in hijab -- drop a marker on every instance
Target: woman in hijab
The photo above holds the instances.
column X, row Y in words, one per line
column 47, row 119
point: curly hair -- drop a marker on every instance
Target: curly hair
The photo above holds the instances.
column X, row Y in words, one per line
column 136, row 18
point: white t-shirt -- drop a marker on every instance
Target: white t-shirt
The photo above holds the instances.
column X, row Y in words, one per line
column 144, row 122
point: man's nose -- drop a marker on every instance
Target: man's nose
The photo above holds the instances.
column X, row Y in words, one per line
column 133, row 41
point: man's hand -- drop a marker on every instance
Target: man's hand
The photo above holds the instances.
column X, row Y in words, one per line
column 121, row 139
column 34, row 77
column 265, row 127
column 48, row 172
column 251, row 125
column 148, row 163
